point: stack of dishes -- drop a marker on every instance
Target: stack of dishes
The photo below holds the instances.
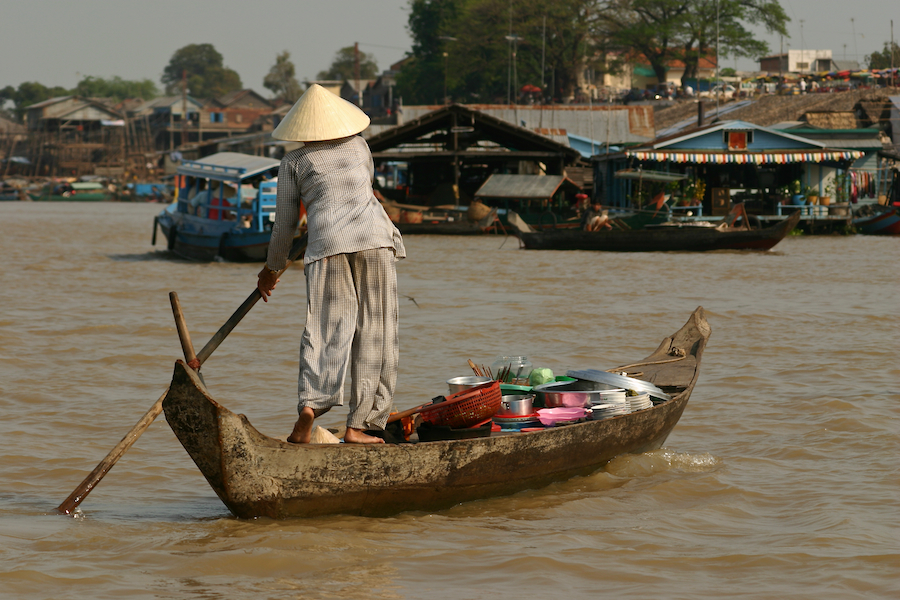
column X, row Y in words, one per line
column 639, row 402
column 605, row 411
column 610, row 403
column 606, row 396
column 516, row 422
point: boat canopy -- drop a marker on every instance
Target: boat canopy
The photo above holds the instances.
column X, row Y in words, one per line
column 524, row 187
column 647, row 175
column 227, row 166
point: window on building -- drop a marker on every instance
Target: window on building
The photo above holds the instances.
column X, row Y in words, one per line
column 738, row 140
column 238, row 118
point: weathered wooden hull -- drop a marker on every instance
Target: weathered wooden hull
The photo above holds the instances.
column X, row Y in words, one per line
column 662, row 239
column 441, row 228
column 886, row 222
column 256, row 475
column 82, row 197
column 202, row 240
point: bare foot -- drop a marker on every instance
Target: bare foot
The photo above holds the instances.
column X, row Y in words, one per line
column 303, row 427
column 356, row 436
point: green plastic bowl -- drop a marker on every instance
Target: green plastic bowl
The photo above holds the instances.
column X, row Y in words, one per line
column 508, row 389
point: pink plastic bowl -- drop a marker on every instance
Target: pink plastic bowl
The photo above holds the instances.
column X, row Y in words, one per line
column 552, row 416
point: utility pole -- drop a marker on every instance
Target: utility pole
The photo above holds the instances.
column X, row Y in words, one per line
column 359, row 99
column 183, row 107
column 446, row 38
column 803, row 54
column 544, row 47
column 893, row 75
column 445, row 79
column 717, row 59
column 781, row 65
column 509, row 62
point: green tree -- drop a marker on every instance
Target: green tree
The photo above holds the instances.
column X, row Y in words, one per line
column 882, row 60
column 698, row 36
column 343, row 66
column 206, row 75
column 116, row 88
column 479, row 63
column 31, row 92
column 651, row 29
column 421, row 79
column 281, row 79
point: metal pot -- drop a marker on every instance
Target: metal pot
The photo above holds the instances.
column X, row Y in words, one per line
column 516, row 406
column 461, row 384
column 570, row 394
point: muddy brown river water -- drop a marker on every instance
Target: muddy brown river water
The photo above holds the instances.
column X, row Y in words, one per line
column 780, row 481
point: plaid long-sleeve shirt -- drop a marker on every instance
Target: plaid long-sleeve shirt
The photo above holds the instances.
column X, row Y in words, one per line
column 334, row 181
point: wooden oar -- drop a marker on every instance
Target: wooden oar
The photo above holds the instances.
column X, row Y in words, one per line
column 187, row 347
column 94, row 477
column 407, row 412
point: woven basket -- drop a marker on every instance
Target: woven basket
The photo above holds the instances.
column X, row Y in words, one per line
column 477, row 211
column 466, row 408
column 411, row 216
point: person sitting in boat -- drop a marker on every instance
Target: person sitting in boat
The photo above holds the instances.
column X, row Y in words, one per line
column 596, row 218
column 351, row 279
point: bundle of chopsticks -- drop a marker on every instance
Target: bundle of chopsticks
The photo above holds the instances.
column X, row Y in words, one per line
column 484, row 371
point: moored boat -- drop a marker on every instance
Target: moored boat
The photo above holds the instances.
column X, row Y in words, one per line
column 257, row 475
column 674, row 237
column 879, row 220
column 79, row 191
column 225, row 208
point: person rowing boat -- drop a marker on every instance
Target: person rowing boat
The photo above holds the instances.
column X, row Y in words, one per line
column 351, row 280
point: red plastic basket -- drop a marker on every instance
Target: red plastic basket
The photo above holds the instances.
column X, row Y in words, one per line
column 466, row 408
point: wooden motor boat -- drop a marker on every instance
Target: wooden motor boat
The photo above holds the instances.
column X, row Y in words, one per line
column 257, row 475
column 225, row 208
column 81, row 191
column 880, row 220
column 683, row 237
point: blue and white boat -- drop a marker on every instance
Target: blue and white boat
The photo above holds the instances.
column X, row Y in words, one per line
column 225, row 207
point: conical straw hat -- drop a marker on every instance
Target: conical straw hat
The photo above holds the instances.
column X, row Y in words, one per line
column 320, row 115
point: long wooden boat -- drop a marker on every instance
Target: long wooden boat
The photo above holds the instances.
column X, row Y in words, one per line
column 257, row 475
column 80, row 191
column 883, row 220
column 682, row 237
column 225, row 208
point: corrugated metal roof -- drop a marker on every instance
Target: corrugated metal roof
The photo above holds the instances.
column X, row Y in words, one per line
column 48, row 102
column 224, row 165
column 621, row 124
column 520, row 186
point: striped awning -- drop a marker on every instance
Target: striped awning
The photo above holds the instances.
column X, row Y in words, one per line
column 746, row 158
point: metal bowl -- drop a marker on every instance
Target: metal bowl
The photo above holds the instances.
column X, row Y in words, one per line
column 620, row 381
column 570, row 394
column 461, row 384
column 516, row 406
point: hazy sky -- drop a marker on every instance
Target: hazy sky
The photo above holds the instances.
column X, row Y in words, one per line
column 55, row 42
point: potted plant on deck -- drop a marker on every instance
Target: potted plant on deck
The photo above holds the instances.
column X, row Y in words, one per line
column 812, row 195
column 837, row 189
column 797, row 197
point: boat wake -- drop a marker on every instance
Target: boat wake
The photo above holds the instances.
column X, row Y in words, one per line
column 662, row 460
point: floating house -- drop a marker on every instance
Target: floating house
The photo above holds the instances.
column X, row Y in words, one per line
column 448, row 153
column 728, row 163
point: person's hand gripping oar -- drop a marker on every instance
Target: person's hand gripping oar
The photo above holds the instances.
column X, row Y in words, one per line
column 90, row 482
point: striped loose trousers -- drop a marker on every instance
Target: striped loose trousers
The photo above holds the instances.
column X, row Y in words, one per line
column 351, row 318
